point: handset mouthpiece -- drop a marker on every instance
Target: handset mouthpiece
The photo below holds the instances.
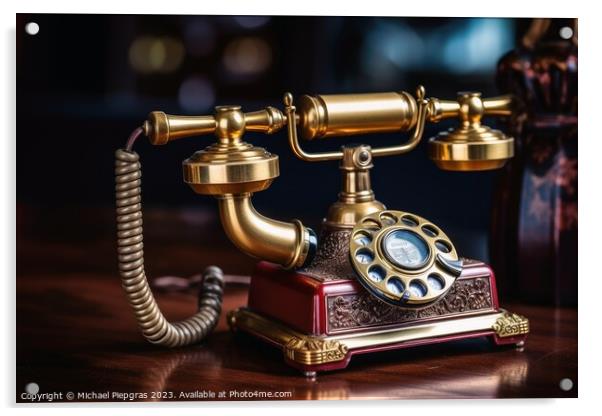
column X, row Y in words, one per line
column 162, row 128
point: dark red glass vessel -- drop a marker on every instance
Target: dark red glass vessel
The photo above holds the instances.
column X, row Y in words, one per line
column 534, row 236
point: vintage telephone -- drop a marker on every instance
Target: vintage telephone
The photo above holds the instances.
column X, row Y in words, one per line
column 376, row 278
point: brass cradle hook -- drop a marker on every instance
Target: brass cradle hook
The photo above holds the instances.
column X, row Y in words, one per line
column 471, row 146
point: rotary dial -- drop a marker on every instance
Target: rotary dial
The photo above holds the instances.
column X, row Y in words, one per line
column 403, row 259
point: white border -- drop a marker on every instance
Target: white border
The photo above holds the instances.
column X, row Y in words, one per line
column 590, row 140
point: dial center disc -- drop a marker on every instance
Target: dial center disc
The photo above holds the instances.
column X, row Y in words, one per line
column 406, row 249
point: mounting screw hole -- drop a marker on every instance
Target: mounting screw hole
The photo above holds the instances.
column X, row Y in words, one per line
column 32, row 388
column 566, row 384
column 565, row 33
column 32, row 28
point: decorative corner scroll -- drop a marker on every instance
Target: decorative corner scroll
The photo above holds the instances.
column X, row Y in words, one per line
column 314, row 350
column 511, row 324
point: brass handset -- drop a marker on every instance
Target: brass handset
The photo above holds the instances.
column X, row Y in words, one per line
column 232, row 170
column 228, row 122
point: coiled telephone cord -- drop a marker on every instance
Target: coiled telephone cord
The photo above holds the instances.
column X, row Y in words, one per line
column 153, row 324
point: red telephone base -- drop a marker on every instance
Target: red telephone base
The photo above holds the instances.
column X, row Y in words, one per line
column 321, row 323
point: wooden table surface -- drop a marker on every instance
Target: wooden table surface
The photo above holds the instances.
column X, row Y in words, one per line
column 76, row 333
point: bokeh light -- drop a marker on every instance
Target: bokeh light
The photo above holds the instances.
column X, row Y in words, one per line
column 388, row 48
column 247, row 56
column 251, row 22
column 478, row 46
column 199, row 36
column 467, row 47
column 150, row 54
column 196, row 94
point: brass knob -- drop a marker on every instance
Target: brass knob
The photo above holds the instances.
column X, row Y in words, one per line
column 229, row 122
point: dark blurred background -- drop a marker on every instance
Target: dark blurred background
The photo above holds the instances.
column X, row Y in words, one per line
column 84, row 82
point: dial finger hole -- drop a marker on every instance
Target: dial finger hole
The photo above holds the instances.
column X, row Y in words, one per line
column 364, row 256
column 430, row 230
column 435, row 281
column 387, row 219
column 371, row 224
column 417, row 289
column 376, row 274
column 409, row 220
column 362, row 238
column 443, row 246
column 395, row 285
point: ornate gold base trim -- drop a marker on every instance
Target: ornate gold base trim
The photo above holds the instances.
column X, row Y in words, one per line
column 511, row 325
column 311, row 350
